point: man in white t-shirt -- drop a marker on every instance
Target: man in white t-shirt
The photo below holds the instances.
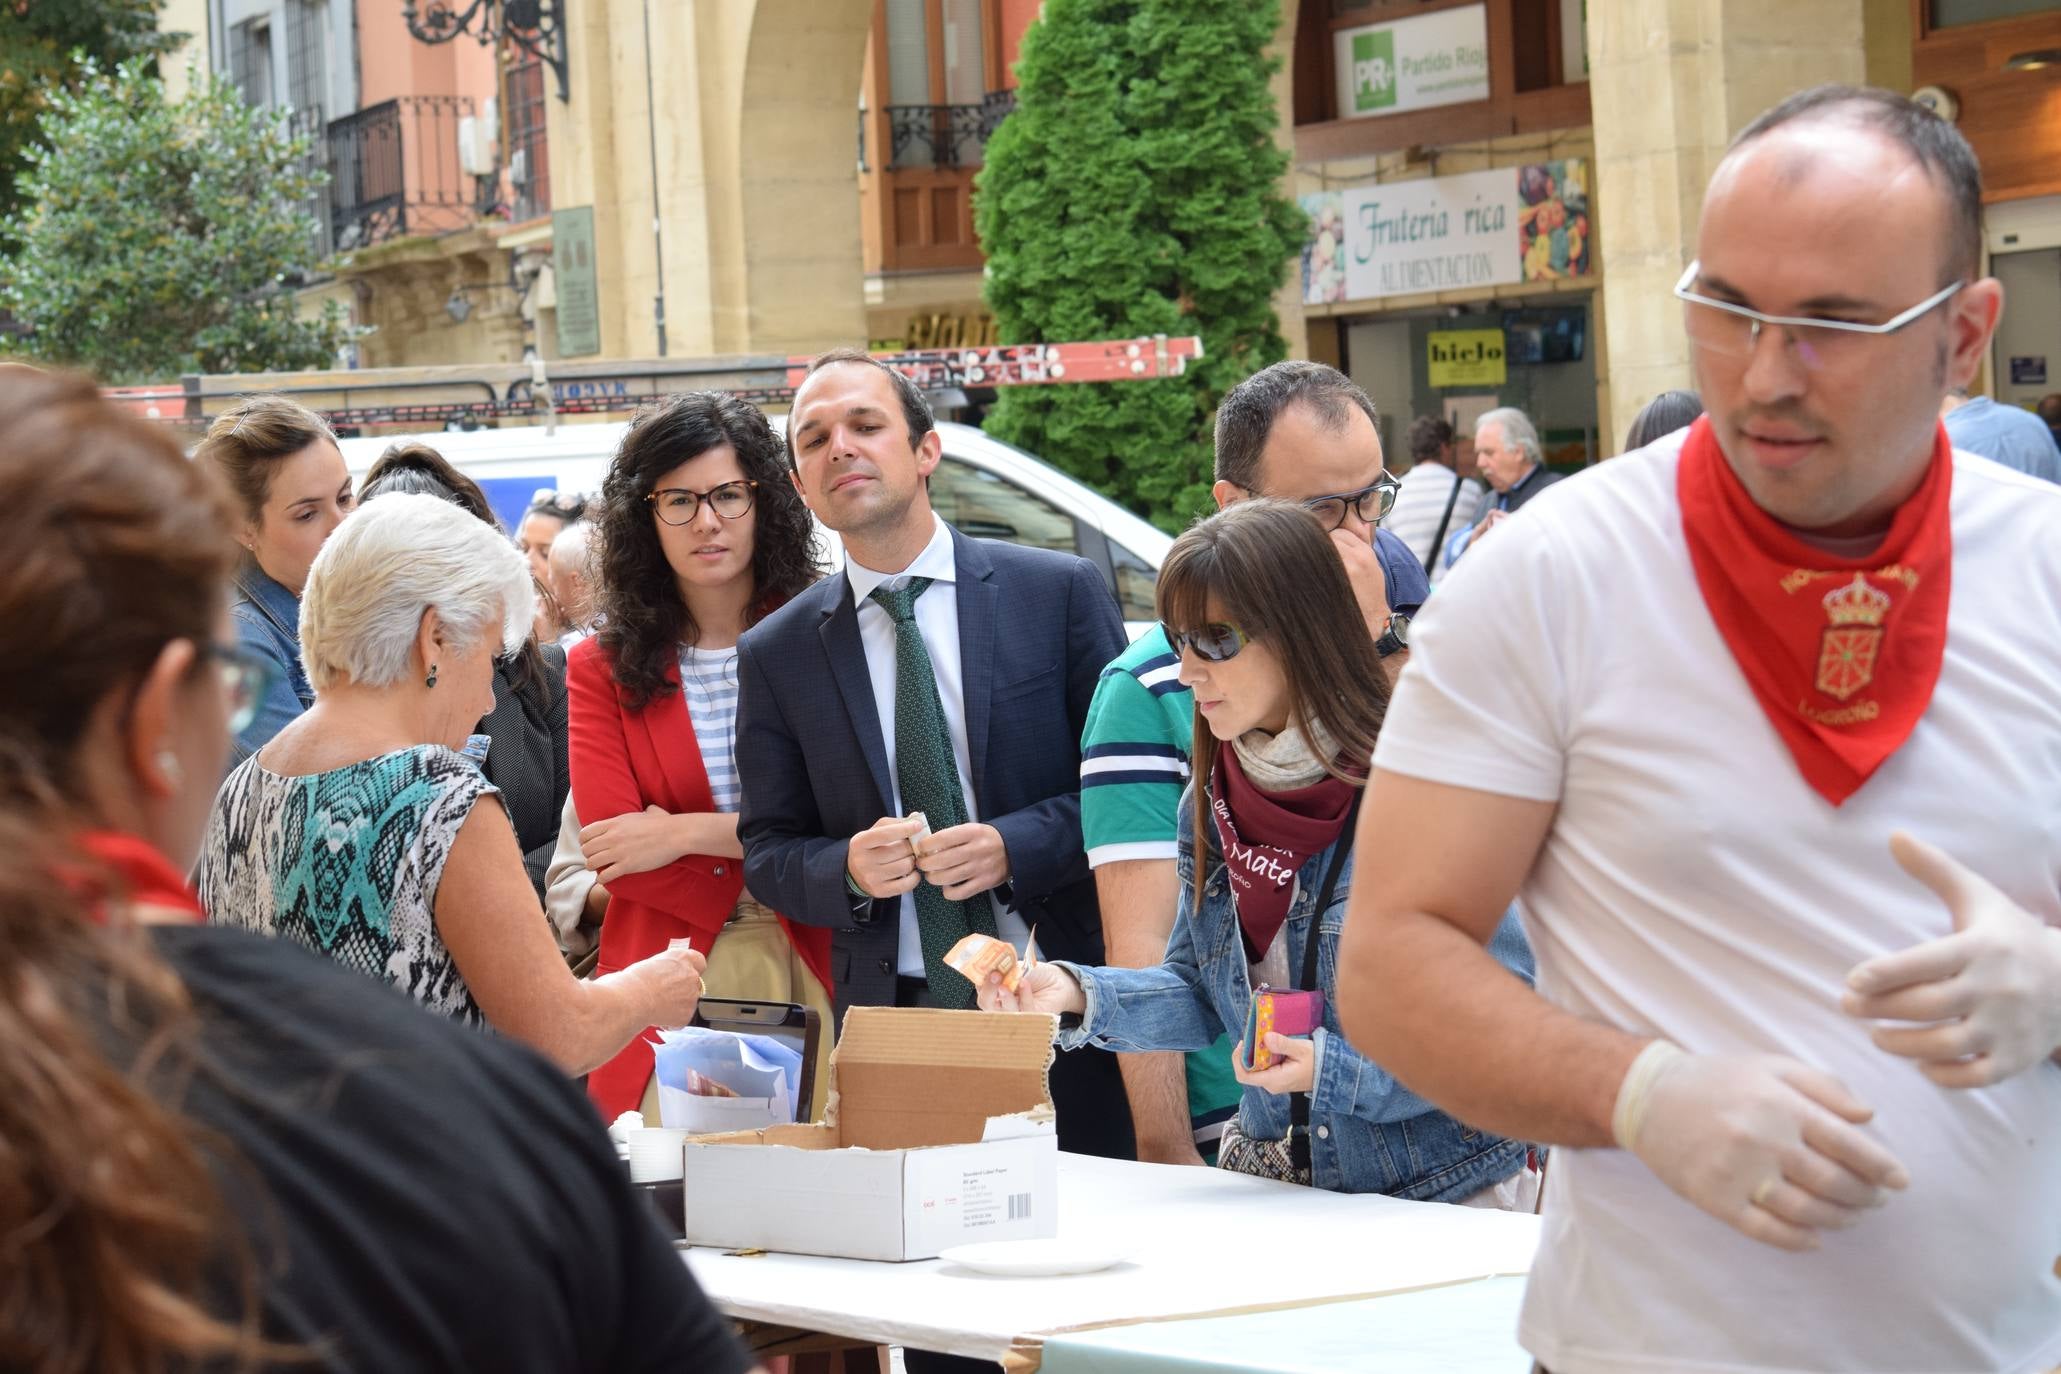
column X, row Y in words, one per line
column 1681, row 709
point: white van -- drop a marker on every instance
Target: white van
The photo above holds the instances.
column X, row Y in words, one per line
column 984, row 487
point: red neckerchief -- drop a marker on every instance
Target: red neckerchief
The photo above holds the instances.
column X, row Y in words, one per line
column 142, row 876
column 1266, row 838
column 1842, row 653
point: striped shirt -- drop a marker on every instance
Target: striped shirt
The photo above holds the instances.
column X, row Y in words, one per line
column 1134, row 754
column 1418, row 506
column 1134, row 765
column 708, row 682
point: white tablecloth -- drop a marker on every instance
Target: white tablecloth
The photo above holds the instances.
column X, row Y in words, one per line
column 1463, row 1328
column 1201, row 1241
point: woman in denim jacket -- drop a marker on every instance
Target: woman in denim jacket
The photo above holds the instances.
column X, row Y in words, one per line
column 282, row 464
column 1288, row 696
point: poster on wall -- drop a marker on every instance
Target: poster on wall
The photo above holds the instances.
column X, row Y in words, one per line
column 1466, row 357
column 572, row 270
column 2029, row 371
column 1413, row 64
column 1402, row 238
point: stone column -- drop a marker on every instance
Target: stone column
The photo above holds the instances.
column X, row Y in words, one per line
column 1670, row 82
column 1288, row 300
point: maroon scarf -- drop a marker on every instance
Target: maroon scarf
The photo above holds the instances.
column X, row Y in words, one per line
column 1266, row 838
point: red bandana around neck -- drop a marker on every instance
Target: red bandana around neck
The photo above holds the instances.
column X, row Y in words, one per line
column 1266, row 838
column 1841, row 653
column 144, row 876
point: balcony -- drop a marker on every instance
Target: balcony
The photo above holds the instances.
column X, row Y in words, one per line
column 944, row 135
column 926, row 182
column 395, row 171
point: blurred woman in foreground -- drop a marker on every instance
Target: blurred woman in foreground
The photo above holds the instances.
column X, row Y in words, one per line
column 221, row 1152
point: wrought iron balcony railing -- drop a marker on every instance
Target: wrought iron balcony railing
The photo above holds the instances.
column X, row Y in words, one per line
column 394, row 170
column 944, row 135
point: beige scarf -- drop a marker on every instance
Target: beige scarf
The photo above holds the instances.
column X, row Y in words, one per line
column 1280, row 763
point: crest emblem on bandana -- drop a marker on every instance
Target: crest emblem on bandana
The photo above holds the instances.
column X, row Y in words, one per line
column 1853, row 638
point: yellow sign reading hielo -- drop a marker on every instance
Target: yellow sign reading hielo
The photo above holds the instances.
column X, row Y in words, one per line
column 1467, row 357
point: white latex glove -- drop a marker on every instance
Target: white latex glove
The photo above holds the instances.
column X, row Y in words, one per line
column 1765, row 1144
column 1988, row 996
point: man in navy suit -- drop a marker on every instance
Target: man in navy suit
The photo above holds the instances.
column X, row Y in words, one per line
column 935, row 673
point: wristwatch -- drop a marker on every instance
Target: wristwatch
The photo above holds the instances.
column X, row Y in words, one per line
column 1395, row 637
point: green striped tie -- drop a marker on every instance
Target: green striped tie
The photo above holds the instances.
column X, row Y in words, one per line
column 929, row 781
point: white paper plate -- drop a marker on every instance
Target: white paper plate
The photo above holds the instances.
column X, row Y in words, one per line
column 1033, row 1258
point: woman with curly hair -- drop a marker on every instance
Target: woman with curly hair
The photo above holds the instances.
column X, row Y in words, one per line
column 701, row 536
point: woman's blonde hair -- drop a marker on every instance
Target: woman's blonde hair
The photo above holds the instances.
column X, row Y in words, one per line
column 392, row 559
column 246, row 442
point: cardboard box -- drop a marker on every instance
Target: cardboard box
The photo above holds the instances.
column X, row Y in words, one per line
column 939, row 1132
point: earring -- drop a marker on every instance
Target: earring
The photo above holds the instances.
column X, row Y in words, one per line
column 168, row 764
column 431, row 680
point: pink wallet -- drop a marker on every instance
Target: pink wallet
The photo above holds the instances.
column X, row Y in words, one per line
column 1284, row 1012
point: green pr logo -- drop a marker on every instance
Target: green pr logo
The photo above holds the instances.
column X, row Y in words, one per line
column 1373, row 70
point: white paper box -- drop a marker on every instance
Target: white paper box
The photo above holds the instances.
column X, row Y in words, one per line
column 940, row 1133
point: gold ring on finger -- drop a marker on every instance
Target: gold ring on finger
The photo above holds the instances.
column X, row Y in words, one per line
column 1762, row 1190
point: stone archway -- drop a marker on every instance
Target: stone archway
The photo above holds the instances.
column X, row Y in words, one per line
column 749, row 135
column 797, row 209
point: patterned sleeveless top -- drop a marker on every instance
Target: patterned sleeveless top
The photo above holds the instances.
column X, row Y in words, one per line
column 347, row 863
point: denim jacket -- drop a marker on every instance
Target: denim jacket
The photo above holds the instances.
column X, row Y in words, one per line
column 1368, row 1133
column 268, row 622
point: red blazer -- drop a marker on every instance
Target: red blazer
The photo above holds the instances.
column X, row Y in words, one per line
column 624, row 761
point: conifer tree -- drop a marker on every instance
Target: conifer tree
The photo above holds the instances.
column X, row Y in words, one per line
column 1136, row 189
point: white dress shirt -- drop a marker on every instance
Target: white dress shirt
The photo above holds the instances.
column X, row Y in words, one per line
column 937, row 617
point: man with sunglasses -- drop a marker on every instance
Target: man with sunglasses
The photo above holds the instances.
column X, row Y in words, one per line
column 1299, row 431
column 1709, row 712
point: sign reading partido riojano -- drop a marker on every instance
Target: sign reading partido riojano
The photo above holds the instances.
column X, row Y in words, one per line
column 1406, row 238
column 1439, row 58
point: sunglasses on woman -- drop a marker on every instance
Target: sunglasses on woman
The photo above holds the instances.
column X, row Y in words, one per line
column 246, row 675
column 1212, row 643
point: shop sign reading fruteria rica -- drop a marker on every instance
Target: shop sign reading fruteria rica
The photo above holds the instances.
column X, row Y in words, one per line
column 1434, row 234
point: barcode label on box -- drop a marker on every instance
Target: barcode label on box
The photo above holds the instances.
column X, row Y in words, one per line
column 1019, row 1206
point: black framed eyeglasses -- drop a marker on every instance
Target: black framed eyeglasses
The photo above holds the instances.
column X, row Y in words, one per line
column 1212, row 643
column 1372, row 502
column 678, row 505
column 247, row 675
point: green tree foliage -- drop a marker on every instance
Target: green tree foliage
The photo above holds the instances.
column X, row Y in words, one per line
column 44, row 45
column 155, row 237
column 1136, row 189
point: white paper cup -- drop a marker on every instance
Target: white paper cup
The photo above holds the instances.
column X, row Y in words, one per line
column 656, row 1154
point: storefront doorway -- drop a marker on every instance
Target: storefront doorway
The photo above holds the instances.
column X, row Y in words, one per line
column 2024, row 239
column 1442, row 361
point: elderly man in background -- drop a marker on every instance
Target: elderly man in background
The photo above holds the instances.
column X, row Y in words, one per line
column 1506, row 445
column 571, row 568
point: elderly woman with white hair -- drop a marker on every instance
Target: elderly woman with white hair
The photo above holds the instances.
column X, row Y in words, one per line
column 361, row 831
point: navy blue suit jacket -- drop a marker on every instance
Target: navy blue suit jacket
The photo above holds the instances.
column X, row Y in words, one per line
column 1036, row 628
